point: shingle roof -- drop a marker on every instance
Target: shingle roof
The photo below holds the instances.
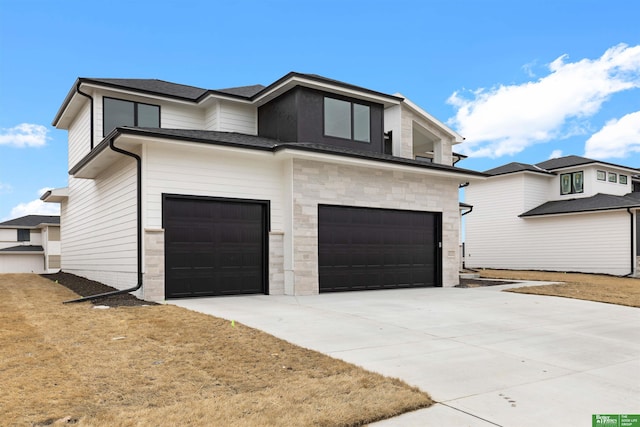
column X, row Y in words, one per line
column 31, row 221
column 244, row 91
column 548, row 166
column 154, row 86
column 514, row 167
column 564, row 162
column 599, row 202
column 24, row 248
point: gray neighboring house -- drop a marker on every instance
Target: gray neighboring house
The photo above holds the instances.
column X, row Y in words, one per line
column 303, row 186
column 30, row 244
column 566, row 214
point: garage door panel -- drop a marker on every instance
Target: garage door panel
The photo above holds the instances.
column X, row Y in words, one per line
column 361, row 248
column 214, row 247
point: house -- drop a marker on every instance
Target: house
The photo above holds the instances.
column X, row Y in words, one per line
column 303, row 186
column 565, row 214
column 30, row 244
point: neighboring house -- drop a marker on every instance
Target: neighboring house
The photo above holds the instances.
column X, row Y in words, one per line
column 30, row 244
column 306, row 185
column 564, row 214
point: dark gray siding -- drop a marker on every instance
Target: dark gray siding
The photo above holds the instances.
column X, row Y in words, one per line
column 298, row 116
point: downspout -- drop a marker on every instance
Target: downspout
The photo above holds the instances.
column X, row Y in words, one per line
column 467, row 212
column 91, row 103
column 633, row 261
column 139, row 229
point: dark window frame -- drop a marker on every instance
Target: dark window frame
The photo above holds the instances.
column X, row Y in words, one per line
column 622, row 179
column 601, row 175
column 575, row 185
column 23, row 235
column 612, row 177
column 135, row 112
column 352, row 130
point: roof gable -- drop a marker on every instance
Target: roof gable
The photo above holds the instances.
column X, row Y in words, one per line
column 31, row 221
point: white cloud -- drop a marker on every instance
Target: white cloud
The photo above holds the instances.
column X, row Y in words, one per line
column 555, row 154
column 36, row 207
column 618, row 138
column 24, row 135
column 504, row 120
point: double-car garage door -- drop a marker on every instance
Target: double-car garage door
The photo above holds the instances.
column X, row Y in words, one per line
column 219, row 247
column 362, row 248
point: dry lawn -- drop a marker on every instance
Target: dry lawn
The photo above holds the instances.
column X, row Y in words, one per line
column 591, row 287
column 164, row 365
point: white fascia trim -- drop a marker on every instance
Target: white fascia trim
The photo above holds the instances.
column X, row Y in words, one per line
column 457, row 137
column 55, row 195
column 326, row 87
column 292, row 153
column 131, row 141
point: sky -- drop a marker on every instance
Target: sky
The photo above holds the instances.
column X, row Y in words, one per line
column 521, row 81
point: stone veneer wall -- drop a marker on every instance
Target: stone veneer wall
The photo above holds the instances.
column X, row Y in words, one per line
column 316, row 183
column 153, row 278
column 276, row 263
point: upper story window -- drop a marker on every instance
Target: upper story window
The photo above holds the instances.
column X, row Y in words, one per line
column 572, row 183
column 117, row 112
column 24, row 234
column 348, row 120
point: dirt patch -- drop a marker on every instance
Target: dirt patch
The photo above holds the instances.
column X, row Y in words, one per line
column 85, row 287
column 164, row 365
column 590, row 287
column 478, row 283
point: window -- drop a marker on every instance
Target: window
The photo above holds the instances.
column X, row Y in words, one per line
column 613, row 177
column 24, row 235
column 622, row 179
column 602, row 176
column 572, row 183
column 117, row 112
column 348, row 120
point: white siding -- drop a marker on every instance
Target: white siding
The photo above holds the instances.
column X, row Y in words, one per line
column 79, row 135
column 211, row 117
column 99, row 226
column 8, row 237
column 497, row 238
column 607, row 187
column 207, row 171
column 236, row 117
column 35, row 238
column 177, row 116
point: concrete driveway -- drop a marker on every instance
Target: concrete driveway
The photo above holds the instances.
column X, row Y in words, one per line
column 488, row 357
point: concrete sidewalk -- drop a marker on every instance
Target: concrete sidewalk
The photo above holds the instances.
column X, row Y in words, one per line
column 488, row 357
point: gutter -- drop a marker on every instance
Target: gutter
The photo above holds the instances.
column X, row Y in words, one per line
column 139, row 228
column 91, row 102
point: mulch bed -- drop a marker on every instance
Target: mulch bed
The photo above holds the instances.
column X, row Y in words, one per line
column 85, row 287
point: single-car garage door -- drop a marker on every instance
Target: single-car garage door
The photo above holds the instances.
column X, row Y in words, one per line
column 363, row 248
column 213, row 246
